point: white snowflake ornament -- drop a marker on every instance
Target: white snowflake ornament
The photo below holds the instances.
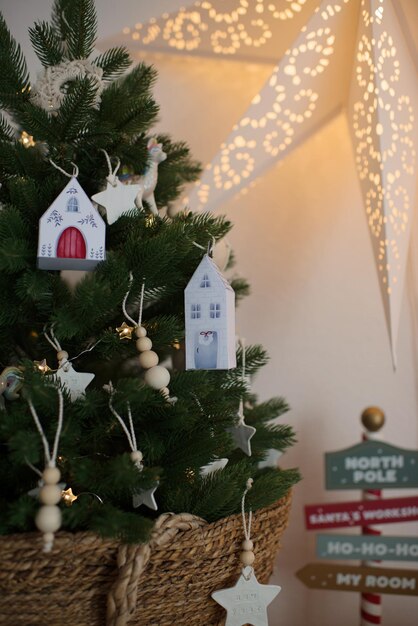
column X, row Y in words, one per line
column 49, row 89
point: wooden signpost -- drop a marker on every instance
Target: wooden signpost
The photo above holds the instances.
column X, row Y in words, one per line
column 361, row 513
column 367, row 547
column 361, row 579
column 370, row 466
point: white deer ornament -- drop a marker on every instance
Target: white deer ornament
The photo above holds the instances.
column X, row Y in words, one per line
column 148, row 181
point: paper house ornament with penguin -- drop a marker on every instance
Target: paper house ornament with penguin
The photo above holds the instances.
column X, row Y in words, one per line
column 71, row 232
column 210, row 319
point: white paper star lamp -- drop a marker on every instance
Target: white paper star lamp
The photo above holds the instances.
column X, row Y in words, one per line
column 239, row 29
column 329, row 41
column 383, row 106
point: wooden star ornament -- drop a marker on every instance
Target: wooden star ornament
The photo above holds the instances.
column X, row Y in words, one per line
column 247, row 601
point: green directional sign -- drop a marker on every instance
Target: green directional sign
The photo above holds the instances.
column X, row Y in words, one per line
column 367, row 547
column 371, row 465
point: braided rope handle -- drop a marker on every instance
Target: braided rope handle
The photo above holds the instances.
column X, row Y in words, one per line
column 133, row 559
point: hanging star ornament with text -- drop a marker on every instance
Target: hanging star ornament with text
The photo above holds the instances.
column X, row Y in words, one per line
column 72, row 381
column 247, row 601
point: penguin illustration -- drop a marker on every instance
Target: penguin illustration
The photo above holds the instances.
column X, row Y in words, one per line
column 206, row 350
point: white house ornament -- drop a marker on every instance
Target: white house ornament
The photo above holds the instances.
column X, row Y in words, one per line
column 71, row 232
column 210, row 319
column 247, row 601
column 148, row 181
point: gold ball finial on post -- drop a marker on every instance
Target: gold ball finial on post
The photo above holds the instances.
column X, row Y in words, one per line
column 373, row 418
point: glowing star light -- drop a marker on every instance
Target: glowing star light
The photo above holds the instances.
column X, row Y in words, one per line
column 125, row 331
column 333, row 53
column 68, row 496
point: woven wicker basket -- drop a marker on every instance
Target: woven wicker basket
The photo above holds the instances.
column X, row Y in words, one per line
column 88, row 581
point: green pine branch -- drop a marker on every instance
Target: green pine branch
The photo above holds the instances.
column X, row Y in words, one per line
column 77, row 22
column 46, row 43
column 14, row 76
column 113, row 62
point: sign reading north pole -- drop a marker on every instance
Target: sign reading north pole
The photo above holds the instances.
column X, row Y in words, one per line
column 371, row 464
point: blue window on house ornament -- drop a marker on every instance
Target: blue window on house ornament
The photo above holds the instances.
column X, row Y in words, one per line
column 195, row 312
column 205, row 281
column 72, row 205
column 215, row 311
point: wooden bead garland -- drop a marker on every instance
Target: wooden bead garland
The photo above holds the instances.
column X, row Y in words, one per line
column 48, row 517
column 156, row 375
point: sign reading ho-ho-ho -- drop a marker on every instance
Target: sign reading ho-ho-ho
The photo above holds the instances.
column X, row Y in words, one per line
column 371, row 464
column 366, row 547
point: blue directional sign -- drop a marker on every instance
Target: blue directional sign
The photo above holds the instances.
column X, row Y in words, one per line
column 371, row 465
column 367, row 547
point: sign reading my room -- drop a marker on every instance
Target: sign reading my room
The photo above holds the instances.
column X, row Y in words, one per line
column 371, row 464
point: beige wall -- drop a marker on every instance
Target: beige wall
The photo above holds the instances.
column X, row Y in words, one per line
column 301, row 239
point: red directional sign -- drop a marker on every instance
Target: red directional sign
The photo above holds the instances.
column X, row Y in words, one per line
column 361, row 513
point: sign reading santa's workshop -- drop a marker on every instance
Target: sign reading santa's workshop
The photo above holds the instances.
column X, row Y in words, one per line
column 371, row 464
column 210, row 319
column 71, row 232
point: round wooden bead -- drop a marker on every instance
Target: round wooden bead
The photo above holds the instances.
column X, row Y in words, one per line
column 143, row 344
column 61, row 355
column 48, row 518
column 50, row 494
column 136, row 456
column 247, row 558
column 49, row 538
column 140, row 331
column 247, row 544
column 51, row 475
column 148, row 359
column 157, row 377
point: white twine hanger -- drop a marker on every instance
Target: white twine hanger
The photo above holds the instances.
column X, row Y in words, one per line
column 241, row 402
column 53, row 341
column 141, row 302
column 111, row 177
column 247, row 526
column 136, row 455
column 75, row 169
column 50, row 457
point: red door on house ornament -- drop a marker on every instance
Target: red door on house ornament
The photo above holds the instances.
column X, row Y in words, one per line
column 71, row 244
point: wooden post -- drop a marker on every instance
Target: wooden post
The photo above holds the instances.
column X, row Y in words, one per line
column 372, row 419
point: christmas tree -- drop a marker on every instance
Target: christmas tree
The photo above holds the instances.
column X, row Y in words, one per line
column 128, row 443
